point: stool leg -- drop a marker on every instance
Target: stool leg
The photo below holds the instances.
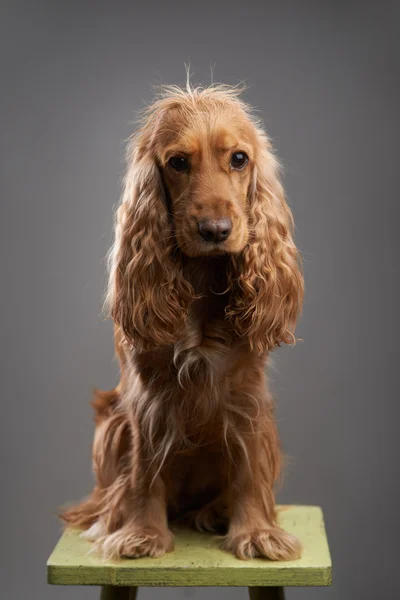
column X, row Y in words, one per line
column 266, row 593
column 118, row 592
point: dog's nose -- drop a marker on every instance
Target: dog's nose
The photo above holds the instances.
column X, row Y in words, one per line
column 215, row 230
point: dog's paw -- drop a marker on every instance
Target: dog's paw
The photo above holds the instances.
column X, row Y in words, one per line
column 94, row 532
column 273, row 543
column 134, row 543
column 212, row 517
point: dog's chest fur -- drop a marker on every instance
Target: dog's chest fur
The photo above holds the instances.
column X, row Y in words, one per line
column 202, row 352
column 208, row 277
column 191, row 379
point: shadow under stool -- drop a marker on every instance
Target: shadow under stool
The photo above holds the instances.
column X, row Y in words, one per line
column 198, row 561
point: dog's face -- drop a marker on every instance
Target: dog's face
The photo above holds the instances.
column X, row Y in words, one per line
column 207, row 162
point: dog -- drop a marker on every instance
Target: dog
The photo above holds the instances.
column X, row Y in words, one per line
column 205, row 281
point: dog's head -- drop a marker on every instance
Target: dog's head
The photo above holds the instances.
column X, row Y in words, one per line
column 207, row 152
column 202, row 181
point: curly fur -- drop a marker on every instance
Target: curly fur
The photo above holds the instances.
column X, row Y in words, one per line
column 189, row 433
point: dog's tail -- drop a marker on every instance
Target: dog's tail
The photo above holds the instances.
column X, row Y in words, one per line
column 110, row 440
column 104, row 403
column 85, row 514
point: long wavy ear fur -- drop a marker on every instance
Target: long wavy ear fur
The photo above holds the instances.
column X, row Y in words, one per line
column 268, row 286
column 148, row 295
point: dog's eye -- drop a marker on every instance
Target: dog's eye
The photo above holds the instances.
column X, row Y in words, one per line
column 179, row 163
column 239, row 160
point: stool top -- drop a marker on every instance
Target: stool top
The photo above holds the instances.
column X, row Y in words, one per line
column 198, row 561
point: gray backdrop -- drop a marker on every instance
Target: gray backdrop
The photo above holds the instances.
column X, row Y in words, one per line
column 325, row 77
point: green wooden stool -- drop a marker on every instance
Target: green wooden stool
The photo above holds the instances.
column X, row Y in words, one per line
column 198, row 561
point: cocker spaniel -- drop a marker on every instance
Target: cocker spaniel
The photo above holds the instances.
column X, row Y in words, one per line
column 204, row 283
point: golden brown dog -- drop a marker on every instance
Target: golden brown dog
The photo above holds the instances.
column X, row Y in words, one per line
column 204, row 283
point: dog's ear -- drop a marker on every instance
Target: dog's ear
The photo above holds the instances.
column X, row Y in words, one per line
column 148, row 294
column 268, row 290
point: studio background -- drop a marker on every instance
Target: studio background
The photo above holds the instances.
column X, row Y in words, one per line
column 325, row 78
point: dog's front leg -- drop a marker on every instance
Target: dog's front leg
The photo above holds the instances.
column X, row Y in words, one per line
column 253, row 529
column 140, row 496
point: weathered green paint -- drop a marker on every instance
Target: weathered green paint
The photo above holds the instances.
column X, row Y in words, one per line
column 198, row 561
